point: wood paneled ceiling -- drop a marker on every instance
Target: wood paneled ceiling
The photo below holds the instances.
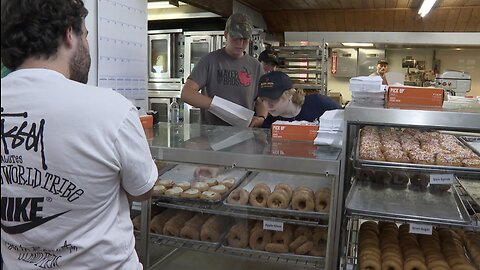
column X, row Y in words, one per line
column 364, row 15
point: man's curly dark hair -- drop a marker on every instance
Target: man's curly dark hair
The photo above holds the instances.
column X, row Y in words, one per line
column 35, row 28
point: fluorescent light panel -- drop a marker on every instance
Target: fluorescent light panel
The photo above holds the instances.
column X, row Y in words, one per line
column 162, row 4
column 357, row 44
column 426, row 7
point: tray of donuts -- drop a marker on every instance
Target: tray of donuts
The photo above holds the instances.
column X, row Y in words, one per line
column 422, row 149
column 283, row 194
column 180, row 184
column 402, row 179
column 385, row 245
column 293, row 241
column 187, row 226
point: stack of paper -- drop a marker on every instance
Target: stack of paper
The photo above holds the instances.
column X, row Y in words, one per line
column 331, row 129
column 367, row 90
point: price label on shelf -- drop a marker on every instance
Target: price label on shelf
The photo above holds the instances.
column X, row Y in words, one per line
column 273, row 225
column 437, row 179
column 421, row 229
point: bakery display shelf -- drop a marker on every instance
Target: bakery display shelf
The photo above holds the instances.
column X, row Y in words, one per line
column 445, row 208
column 272, row 179
column 430, row 168
column 183, row 242
column 268, row 257
column 226, row 211
column 301, row 71
column 349, row 260
column 260, row 256
column 471, row 201
column 184, row 172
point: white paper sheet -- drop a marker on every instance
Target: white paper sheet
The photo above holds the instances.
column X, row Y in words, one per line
column 230, row 112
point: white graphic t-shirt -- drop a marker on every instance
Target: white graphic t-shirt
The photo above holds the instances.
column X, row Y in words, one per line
column 69, row 152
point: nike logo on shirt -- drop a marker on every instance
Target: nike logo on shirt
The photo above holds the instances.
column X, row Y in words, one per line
column 29, row 225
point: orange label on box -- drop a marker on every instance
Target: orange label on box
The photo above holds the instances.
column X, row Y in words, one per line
column 294, row 132
column 401, row 96
column 293, row 149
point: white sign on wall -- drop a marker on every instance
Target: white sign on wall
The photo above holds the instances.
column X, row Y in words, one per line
column 122, row 47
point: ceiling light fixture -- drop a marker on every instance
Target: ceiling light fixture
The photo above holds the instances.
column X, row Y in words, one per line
column 426, row 7
column 162, row 4
column 357, row 44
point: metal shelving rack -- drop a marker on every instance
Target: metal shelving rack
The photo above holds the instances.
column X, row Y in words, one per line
column 306, row 66
column 187, row 143
column 356, row 116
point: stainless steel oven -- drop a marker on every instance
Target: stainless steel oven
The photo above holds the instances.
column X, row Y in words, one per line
column 165, row 55
column 198, row 44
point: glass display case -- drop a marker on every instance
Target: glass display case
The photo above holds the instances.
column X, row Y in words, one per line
column 411, row 176
column 229, row 230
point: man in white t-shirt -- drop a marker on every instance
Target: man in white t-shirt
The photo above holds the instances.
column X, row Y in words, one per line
column 73, row 155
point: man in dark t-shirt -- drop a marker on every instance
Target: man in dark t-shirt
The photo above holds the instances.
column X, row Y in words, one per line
column 227, row 73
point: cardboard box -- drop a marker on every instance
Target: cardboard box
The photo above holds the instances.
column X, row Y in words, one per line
column 294, row 132
column 293, row 149
column 406, row 96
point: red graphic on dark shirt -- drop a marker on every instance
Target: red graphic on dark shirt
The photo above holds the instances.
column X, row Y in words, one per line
column 244, row 77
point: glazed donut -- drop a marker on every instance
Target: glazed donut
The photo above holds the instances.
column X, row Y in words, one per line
column 158, row 190
column 173, row 226
column 192, row 193
column 414, row 264
column 238, row 196
column 297, row 242
column 259, row 238
column 392, row 263
column 192, row 227
column 284, row 237
column 259, row 196
column 369, row 263
column 300, row 188
column 278, row 199
column 322, row 200
column 201, row 186
column 190, row 232
column 219, row 188
column 173, row 192
column 286, row 188
column 210, row 195
column 303, row 230
column 158, row 221
column 238, row 236
column 276, row 248
column 211, row 182
column 212, row 229
column 228, row 182
column 303, row 201
column 183, row 185
column 320, row 238
column 304, row 248
column 167, row 183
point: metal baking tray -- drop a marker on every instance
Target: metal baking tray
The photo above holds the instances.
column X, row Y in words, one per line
column 182, row 241
column 472, row 187
column 407, row 204
column 473, row 142
column 272, row 179
column 400, row 165
column 184, row 172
